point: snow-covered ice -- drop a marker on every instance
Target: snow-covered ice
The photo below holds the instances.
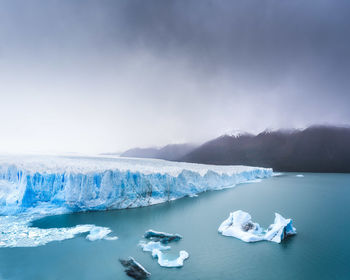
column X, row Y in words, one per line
column 239, row 224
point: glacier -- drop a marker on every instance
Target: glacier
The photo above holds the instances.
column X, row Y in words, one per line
column 35, row 186
column 101, row 183
column 239, row 224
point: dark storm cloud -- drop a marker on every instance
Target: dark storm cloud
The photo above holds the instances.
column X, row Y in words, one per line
column 261, row 38
column 185, row 70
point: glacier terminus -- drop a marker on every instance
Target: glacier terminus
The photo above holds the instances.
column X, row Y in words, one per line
column 101, row 183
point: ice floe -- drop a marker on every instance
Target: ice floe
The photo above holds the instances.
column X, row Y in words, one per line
column 165, row 261
column 15, row 231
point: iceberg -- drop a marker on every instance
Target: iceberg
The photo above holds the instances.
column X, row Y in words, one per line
column 299, row 175
column 162, row 237
column 165, row 262
column 239, row 224
column 100, row 183
column 134, row 269
column 156, row 247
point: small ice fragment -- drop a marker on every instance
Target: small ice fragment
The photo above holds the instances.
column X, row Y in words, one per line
column 97, row 233
column 134, row 269
column 299, row 175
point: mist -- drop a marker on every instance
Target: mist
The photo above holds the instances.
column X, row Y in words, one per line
column 99, row 76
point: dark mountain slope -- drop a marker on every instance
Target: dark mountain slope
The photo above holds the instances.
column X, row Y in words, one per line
column 315, row 149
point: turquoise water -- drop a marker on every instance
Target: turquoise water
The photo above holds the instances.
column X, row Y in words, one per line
column 318, row 203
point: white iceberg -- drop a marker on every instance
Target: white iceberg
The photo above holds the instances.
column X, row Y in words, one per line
column 239, row 224
column 166, row 262
column 299, row 175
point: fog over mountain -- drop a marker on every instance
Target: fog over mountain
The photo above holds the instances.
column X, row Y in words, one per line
column 168, row 152
column 315, row 149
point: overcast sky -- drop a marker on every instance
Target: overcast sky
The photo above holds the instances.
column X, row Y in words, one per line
column 99, row 76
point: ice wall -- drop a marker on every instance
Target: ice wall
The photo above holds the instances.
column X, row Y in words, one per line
column 99, row 183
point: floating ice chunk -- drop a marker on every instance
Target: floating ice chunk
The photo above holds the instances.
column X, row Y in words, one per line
column 150, row 246
column 163, row 237
column 134, row 269
column 156, row 248
column 239, row 224
column 97, row 233
column 299, row 175
column 280, row 229
column 164, row 261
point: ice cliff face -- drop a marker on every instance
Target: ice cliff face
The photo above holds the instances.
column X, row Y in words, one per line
column 98, row 183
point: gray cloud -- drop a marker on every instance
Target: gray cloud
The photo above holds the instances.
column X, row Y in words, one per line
column 97, row 76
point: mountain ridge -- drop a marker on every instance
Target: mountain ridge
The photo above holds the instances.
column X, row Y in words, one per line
column 318, row 148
